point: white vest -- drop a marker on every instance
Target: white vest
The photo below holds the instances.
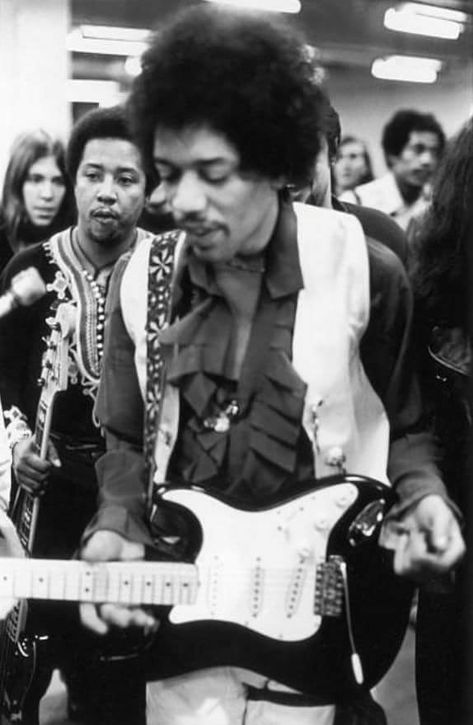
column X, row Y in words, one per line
column 342, row 412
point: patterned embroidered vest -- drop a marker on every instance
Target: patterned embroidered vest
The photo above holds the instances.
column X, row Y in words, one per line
column 75, row 284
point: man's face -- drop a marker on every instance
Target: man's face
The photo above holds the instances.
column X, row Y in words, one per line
column 350, row 166
column 417, row 161
column 109, row 190
column 43, row 191
column 224, row 211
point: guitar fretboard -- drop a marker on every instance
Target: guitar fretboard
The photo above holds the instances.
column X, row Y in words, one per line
column 41, row 414
column 118, row 582
column 25, row 519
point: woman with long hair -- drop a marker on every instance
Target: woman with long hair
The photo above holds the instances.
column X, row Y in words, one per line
column 37, row 198
column 352, row 165
column 441, row 281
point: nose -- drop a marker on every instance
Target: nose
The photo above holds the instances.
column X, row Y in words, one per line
column 47, row 189
column 106, row 192
column 428, row 158
column 187, row 197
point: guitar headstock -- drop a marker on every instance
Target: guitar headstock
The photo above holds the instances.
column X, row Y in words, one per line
column 55, row 365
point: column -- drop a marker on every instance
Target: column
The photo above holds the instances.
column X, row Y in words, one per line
column 34, row 69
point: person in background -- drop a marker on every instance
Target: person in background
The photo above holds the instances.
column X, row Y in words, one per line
column 287, row 358
column 107, row 173
column 442, row 284
column 37, row 198
column 352, row 165
column 413, row 143
column 318, row 192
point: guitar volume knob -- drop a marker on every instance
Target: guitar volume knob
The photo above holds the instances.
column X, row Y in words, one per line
column 321, row 524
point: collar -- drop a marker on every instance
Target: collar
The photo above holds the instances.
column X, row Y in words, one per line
column 99, row 274
column 283, row 274
column 90, row 266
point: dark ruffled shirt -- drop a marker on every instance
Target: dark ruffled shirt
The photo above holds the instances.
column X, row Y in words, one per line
column 255, row 451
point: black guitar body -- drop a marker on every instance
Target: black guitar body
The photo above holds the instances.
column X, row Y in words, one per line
column 320, row 666
column 25, row 681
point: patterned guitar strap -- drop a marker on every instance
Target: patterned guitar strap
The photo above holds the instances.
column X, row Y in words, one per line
column 162, row 264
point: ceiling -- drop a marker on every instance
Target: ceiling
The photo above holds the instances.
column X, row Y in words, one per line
column 347, row 33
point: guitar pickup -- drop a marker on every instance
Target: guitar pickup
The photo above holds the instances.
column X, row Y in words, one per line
column 329, row 587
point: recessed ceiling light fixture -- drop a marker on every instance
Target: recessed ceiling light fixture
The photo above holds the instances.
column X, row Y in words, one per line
column 406, row 68
column 276, row 6
column 107, row 40
column 429, row 20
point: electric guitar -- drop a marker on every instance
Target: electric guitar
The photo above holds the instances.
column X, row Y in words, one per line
column 299, row 591
column 17, row 650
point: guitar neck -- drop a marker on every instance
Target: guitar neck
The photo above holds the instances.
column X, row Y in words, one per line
column 131, row 583
column 24, row 517
column 42, row 426
column 25, row 510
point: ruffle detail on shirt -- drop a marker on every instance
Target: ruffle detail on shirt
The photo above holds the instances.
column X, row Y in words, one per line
column 277, row 412
column 200, row 341
column 182, row 331
column 197, row 367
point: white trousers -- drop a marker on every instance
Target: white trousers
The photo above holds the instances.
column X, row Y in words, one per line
column 219, row 696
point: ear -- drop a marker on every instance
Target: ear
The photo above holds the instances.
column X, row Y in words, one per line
column 390, row 160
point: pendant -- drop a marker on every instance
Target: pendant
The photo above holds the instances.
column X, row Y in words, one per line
column 221, row 422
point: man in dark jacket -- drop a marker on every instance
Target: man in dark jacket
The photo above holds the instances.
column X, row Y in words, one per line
column 106, row 168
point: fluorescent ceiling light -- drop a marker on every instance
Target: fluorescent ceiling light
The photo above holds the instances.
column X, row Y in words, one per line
column 277, row 6
column 434, row 11
column 424, row 20
column 406, row 68
column 105, row 93
column 111, row 32
column 106, row 41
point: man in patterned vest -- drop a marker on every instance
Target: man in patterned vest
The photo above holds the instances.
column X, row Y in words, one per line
column 106, row 168
column 286, row 361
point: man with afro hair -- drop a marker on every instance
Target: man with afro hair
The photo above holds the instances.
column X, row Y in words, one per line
column 254, row 352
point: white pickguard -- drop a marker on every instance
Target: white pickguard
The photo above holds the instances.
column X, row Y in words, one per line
column 258, row 568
